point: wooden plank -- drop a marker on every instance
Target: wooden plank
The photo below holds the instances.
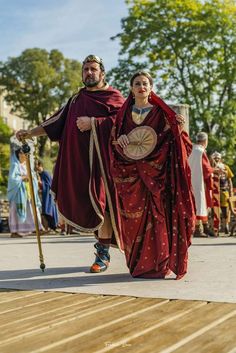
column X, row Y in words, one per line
column 16, row 295
column 61, row 304
column 24, row 326
column 80, row 322
column 71, row 323
column 170, row 334
column 56, row 326
column 221, row 338
column 29, row 301
column 102, row 338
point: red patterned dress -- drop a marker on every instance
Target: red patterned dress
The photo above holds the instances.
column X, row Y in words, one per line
column 155, row 200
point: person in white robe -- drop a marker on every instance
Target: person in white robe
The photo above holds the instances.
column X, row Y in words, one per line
column 202, row 182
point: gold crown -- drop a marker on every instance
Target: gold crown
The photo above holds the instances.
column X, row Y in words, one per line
column 95, row 58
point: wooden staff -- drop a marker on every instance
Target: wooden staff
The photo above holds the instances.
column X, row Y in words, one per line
column 26, row 150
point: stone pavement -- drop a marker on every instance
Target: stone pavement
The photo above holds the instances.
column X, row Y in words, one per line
column 211, row 275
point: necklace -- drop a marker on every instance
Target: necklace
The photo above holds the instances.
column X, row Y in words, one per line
column 139, row 114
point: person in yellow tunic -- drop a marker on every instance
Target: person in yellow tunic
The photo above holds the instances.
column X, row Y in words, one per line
column 226, row 188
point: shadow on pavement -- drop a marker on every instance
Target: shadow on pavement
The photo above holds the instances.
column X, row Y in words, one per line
column 29, row 273
column 24, row 280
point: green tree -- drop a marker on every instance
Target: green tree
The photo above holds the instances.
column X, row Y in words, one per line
column 5, row 133
column 190, row 49
column 120, row 74
column 38, row 82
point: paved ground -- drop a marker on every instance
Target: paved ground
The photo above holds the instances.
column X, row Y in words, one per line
column 211, row 275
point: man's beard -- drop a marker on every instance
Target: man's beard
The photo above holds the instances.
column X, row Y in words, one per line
column 91, row 83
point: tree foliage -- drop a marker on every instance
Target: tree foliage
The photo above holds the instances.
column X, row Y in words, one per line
column 38, row 82
column 5, row 133
column 190, row 49
column 119, row 76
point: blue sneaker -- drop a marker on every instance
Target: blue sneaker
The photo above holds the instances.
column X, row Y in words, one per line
column 102, row 259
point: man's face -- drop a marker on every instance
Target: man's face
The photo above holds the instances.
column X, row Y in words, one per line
column 92, row 74
column 205, row 143
column 217, row 160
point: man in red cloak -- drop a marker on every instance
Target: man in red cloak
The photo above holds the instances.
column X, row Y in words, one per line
column 82, row 191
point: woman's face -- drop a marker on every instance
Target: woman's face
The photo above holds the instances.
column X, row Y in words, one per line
column 22, row 157
column 141, row 87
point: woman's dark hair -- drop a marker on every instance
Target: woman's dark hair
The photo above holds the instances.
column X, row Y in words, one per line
column 141, row 73
column 39, row 163
column 17, row 152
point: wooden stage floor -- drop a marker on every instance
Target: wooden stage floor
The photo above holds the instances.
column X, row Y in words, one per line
column 57, row 322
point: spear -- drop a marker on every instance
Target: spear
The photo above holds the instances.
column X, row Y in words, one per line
column 26, row 150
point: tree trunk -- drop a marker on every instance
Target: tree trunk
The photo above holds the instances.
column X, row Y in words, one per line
column 41, row 145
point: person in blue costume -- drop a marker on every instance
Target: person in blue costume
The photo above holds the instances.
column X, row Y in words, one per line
column 21, row 221
column 49, row 210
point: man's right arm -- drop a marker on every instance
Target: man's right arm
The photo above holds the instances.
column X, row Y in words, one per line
column 52, row 127
column 27, row 134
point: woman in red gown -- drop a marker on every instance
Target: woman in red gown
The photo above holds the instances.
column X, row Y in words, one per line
column 153, row 183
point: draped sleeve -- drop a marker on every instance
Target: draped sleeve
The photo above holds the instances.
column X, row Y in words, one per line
column 54, row 126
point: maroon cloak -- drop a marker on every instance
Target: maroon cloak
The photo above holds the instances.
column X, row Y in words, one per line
column 155, row 199
column 208, row 179
column 77, row 181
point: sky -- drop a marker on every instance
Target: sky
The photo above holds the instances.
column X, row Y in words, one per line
column 75, row 27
